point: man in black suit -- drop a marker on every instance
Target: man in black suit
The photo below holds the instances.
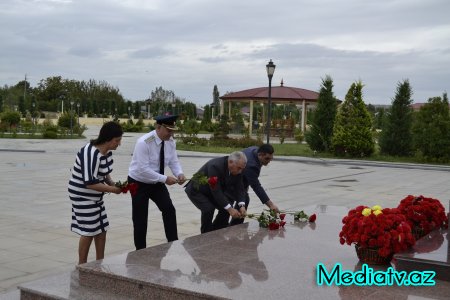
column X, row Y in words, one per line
column 221, row 196
column 257, row 157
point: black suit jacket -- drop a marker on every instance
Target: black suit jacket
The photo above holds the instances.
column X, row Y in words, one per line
column 229, row 188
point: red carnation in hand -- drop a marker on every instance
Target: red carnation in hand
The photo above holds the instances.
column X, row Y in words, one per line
column 132, row 187
column 312, row 218
column 282, row 216
column 125, row 187
column 212, row 181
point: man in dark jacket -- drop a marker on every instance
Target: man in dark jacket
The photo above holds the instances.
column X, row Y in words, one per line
column 228, row 190
column 256, row 158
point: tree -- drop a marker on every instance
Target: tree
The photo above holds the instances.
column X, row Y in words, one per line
column 396, row 135
column 431, row 129
column 352, row 131
column 206, row 120
column 12, row 118
column 321, row 130
column 216, row 100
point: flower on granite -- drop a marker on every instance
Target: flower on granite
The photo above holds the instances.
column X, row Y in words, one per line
column 301, row 216
column 270, row 219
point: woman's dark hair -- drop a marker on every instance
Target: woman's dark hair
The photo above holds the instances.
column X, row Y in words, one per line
column 108, row 131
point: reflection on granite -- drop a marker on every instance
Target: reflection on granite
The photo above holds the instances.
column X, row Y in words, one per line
column 430, row 253
column 245, row 262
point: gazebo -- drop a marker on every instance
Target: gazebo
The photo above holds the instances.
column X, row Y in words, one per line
column 279, row 95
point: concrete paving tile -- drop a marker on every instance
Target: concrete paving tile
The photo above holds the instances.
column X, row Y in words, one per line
column 7, row 273
column 13, row 243
column 34, row 264
column 66, row 256
column 38, row 236
column 12, row 283
column 12, row 255
column 39, row 248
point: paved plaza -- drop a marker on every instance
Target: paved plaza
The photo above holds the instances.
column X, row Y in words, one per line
column 35, row 214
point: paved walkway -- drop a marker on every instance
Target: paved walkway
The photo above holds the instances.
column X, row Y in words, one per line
column 35, row 237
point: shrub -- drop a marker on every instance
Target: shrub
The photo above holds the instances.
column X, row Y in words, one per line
column 352, row 132
column 12, row 118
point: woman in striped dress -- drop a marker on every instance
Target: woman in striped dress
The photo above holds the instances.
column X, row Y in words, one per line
column 89, row 181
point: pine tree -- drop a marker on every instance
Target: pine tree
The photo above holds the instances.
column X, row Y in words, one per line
column 352, row 132
column 431, row 130
column 321, row 130
column 216, row 100
column 396, row 135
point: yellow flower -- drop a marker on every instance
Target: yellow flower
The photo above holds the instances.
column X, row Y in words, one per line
column 376, row 207
column 366, row 212
column 377, row 212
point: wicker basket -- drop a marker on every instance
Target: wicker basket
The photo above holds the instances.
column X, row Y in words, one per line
column 418, row 232
column 371, row 256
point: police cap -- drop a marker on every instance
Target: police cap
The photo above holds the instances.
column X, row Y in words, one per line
column 167, row 121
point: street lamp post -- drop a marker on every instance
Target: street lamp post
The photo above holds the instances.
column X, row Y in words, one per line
column 33, row 116
column 129, row 113
column 71, row 114
column 270, row 70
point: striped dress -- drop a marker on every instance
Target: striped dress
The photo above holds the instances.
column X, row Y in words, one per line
column 88, row 211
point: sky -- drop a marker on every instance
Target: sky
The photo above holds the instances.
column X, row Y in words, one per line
column 188, row 46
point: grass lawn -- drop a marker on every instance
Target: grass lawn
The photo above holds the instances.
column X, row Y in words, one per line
column 304, row 150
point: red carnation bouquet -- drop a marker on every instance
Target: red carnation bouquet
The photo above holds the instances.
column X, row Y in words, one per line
column 384, row 229
column 125, row 187
column 199, row 179
column 424, row 213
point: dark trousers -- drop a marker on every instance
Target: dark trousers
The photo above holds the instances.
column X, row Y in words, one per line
column 208, row 209
column 236, row 206
column 159, row 194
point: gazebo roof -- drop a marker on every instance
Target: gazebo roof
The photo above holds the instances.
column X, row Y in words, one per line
column 279, row 94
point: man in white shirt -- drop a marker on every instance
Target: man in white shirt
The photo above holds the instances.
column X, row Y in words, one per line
column 152, row 153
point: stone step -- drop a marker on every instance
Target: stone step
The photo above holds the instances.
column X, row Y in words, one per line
column 64, row 286
column 430, row 253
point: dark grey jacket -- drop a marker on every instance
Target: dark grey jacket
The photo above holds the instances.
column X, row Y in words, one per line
column 229, row 188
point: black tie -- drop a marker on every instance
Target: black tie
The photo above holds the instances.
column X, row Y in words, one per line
column 161, row 159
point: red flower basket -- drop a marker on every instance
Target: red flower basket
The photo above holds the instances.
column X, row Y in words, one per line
column 376, row 231
column 418, row 232
column 423, row 214
column 371, row 256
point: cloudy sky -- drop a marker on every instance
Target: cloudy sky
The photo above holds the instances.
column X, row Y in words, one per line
column 188, row 46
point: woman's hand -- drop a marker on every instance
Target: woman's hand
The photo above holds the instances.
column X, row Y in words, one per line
column 116, row 190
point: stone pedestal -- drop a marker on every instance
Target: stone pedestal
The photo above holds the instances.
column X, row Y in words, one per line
column 240, row 262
